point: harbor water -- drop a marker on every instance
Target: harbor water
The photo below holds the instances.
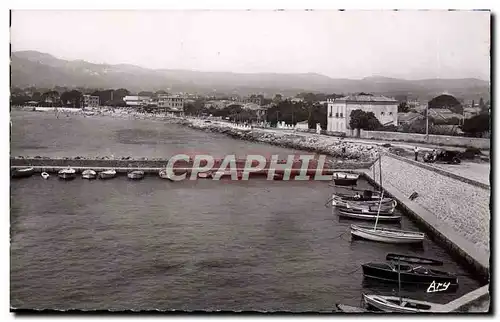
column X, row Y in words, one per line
column 189, row 245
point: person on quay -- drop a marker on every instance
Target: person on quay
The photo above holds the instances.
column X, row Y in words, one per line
column 416, row 153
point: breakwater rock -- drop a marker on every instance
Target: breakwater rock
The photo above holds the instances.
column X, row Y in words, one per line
column 335, row 148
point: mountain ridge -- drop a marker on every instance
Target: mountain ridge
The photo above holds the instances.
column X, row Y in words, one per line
column 33, row 68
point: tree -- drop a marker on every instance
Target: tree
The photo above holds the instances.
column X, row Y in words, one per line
column 160, row 92
column 477, row 125
column 448, row 102
column 51, row 97
column 72, row 98
column 403, row 107
column 37, row 96
column 120, row 93
column 361, row 120
column 145, row 93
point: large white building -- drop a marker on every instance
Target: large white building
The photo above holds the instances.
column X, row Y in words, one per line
column 136, row 100
column 339, row 110
column 171, row 102
column 90, row 101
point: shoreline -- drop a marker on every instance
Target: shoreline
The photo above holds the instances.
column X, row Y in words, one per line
column 339, row 150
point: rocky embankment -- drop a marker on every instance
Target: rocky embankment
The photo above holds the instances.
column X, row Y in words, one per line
column 327, row 145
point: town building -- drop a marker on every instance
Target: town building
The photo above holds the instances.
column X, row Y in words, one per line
column 90, row 101
column 252, row 99
column 171, row 103
column 136, row 101
column 339, row 110
column 409, row 118
column 444, row 114
column 297, row 100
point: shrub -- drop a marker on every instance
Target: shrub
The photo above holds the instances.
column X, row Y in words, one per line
column 386, row 145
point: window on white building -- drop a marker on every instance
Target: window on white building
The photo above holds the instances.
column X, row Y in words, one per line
column 381, row 113
column 390, row 113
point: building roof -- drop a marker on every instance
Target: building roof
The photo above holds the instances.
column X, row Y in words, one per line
column 366, row 98
column 443, row 113
column 408, row 117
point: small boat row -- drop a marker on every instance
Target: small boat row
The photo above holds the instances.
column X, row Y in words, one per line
column 366, row 207
column 70, row 173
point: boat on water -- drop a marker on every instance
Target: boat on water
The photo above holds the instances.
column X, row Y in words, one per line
column 165, row 175
column 385, row 217
column 205, row 175
column 395, row 304
column 67, row 174
column 407, row 274
column 366, row 201
column 23, row 172
column 387, row 235
column 345, row 179
column 135, row 175
column 228, row 173
column 45, row 175
column 107, row 174
column 278, row 176
column 89, row 174
column 413, row 259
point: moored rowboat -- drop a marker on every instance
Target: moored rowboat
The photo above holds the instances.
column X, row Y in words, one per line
column 367, row 216
column 345, row 179
column 67, row 174
column 387, row 235
column 135, row 175
column 394, row 304
column 89, row 174
column 408, row 274
column 165, row 175
column 23, row 173
column 205, row 175
column 107, row 174
column 45, row 175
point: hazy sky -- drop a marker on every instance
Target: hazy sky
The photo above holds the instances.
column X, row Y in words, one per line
column 349, row 44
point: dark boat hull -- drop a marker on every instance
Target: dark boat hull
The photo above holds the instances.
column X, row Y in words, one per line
column 22, row 174
column 345, row 182
column 406, row 278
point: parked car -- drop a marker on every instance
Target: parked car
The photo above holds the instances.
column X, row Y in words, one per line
column 447, row 156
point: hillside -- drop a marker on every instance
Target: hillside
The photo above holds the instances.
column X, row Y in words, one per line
column 32, row 68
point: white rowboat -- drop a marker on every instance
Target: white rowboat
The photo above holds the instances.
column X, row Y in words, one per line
column 89, row 174
column 67, row 174
column 107, row 174
column 387, row 235
column 394, row 304
column 45, row 175
column 135, row 175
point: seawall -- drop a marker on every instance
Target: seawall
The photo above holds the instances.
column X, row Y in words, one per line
column 456, row 214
